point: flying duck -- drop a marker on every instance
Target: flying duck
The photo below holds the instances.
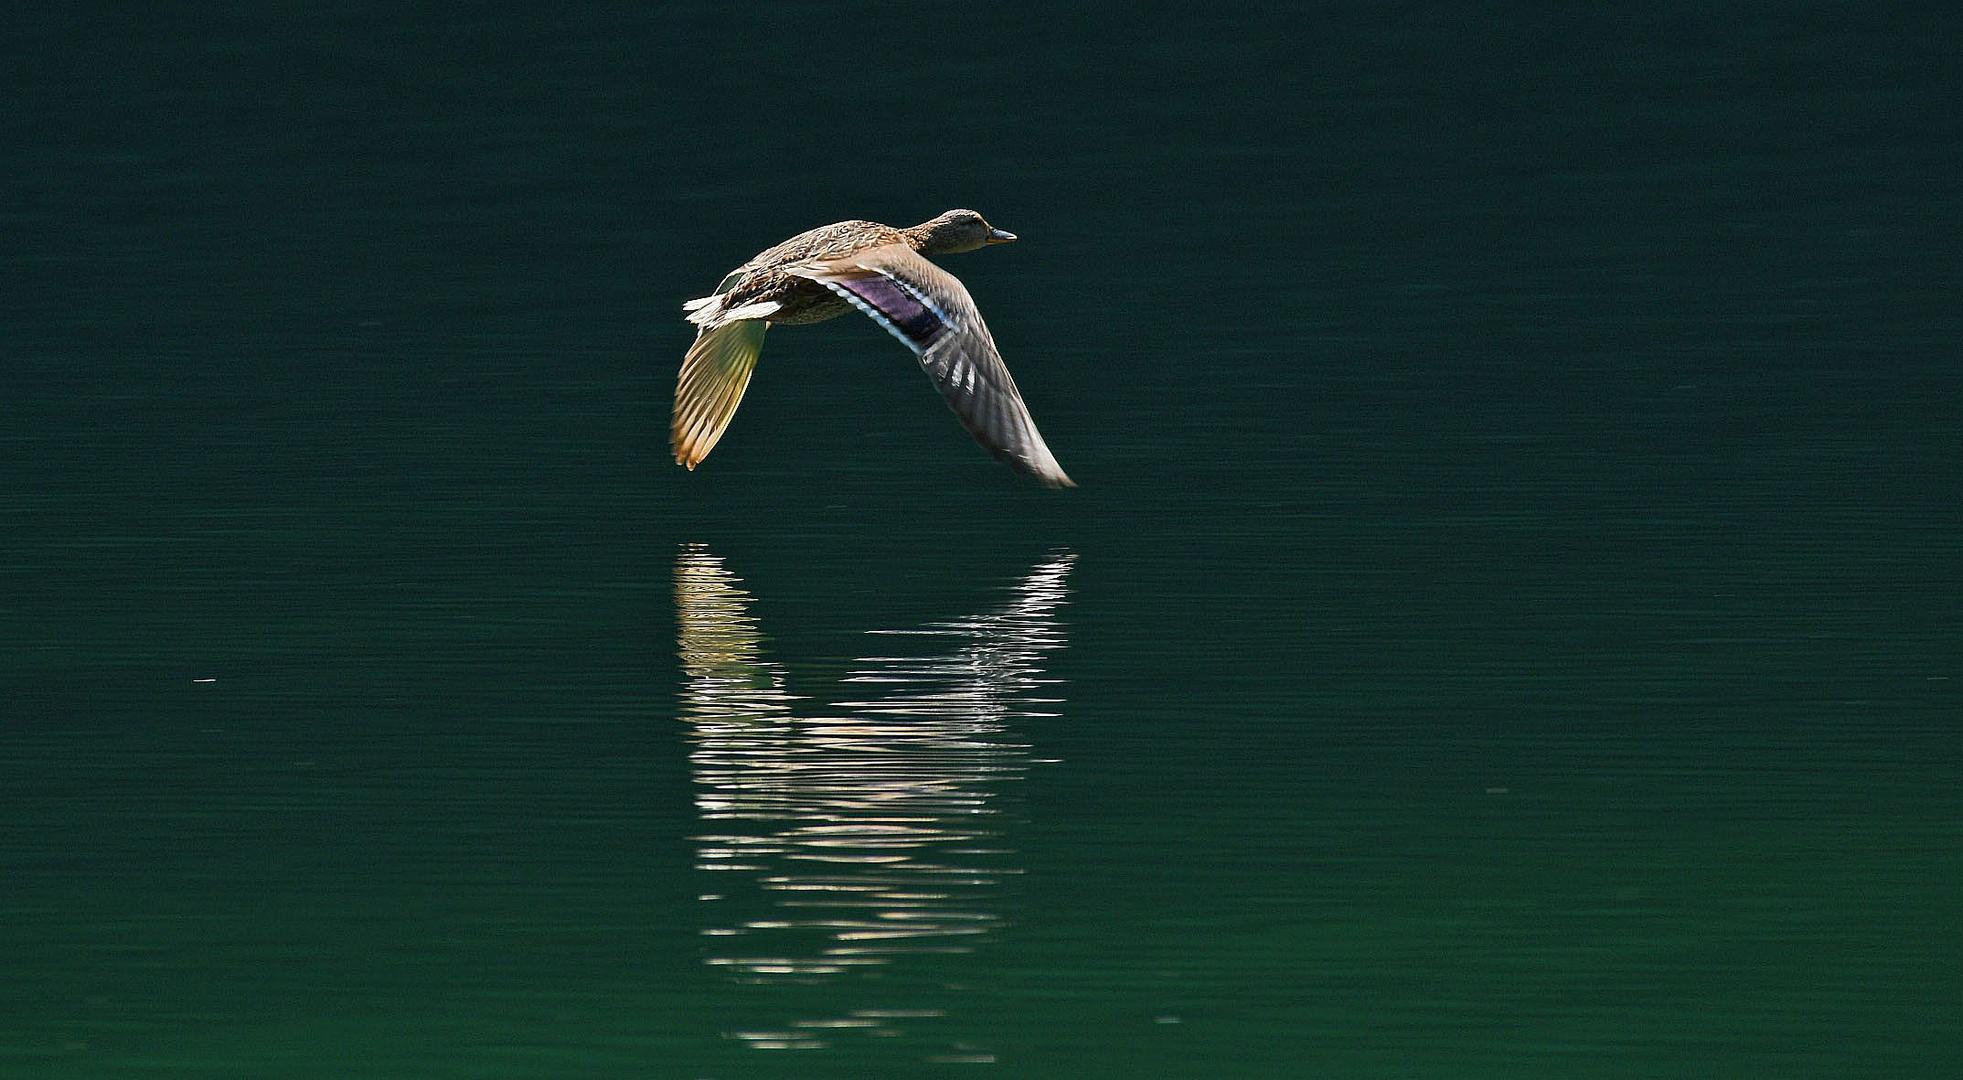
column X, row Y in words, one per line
column 884, row 272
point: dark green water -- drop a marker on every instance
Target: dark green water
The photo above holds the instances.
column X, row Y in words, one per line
column 1509, row 624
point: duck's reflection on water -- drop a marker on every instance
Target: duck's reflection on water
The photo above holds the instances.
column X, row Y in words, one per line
column 847, row 838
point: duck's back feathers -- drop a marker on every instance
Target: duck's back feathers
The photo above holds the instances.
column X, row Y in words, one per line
column 826, row 242
column 762, row 280
column 931, row 313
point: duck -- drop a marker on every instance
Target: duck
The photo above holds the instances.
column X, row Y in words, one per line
column 884, row 273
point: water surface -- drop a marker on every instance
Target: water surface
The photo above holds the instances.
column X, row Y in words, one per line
column 1508, row 625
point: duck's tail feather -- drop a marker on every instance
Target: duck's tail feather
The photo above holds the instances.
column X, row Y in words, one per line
column 703, row 310
column 709, row 312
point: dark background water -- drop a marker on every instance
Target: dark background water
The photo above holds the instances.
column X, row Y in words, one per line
column 1508, row 625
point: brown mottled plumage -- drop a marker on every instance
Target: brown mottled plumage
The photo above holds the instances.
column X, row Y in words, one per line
column 880, row 270
column 805, row 301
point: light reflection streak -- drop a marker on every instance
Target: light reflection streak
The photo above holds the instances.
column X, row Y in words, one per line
column 869, row 831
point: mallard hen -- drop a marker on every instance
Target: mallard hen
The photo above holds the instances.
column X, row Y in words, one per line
column 883, row 272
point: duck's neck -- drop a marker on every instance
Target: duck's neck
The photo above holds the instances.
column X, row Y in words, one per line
column 921, row 238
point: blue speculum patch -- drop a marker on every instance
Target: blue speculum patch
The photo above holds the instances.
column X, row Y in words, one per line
column 900, row 309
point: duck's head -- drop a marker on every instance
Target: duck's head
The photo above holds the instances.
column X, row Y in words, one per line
column 954, row 232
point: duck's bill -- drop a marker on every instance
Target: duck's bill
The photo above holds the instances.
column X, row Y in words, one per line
column 1000, row 236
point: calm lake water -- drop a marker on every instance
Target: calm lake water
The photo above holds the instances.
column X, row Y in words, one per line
column 1509, row 624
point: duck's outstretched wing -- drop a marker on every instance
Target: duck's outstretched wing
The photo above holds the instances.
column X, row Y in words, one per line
column 931, row 313
column 714, row 375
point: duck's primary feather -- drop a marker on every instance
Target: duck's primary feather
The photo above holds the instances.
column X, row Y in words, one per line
column 883, row 272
